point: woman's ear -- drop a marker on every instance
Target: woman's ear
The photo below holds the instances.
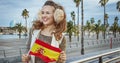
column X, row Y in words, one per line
column 58, row 15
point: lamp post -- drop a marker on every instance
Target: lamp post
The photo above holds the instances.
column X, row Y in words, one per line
column 82, row 20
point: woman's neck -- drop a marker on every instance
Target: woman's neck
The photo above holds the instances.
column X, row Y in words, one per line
column 48, row 30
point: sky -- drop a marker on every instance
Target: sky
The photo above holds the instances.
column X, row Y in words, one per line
column 11, row 10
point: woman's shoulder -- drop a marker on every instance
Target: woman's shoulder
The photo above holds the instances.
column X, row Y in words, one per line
column 33, row 31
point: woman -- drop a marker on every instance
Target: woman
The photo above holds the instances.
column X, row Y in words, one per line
column 51, row 24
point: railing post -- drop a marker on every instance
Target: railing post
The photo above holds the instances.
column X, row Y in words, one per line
column 4, row 54
column 100, row 59
column 20, row 52
column 110, row 43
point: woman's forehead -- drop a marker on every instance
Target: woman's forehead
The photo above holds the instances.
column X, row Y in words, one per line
column 48, row 8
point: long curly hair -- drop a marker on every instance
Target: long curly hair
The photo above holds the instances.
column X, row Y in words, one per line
column 59, row 27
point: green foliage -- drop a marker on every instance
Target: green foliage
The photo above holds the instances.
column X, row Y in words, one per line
column 118, row 6
column 73, row 16
column 114, row 28
column 97, row 28
column 19, row 28
column 77, row 2
column 25, row 14
column 103, row 2
column 71, row 29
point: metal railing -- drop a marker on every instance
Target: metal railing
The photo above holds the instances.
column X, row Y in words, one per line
column 12, row 52
column 97, row 56
column 113, row 59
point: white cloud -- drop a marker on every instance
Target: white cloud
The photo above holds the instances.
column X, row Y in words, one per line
column 11, row 10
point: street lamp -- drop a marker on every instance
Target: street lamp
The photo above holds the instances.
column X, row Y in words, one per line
column 82, row 38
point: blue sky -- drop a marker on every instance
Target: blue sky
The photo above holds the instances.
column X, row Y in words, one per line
column 10, row 10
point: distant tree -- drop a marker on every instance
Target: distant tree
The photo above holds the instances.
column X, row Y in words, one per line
column 103, row 29
column 106, row 20
column 92, row 20
column 114, row 28
column 118, row 6
column 103, row 3
column 19, row 28
column 77, row 2
column 119, row 29
column 97, row 28
column 73, row 16
column 88, row 27
column 106, row 23
column 25, row 14
column 1, row 30
column 116, row 19
column 92, row 25
column 70, row 29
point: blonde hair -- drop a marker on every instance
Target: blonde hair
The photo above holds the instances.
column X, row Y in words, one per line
column 59, row 27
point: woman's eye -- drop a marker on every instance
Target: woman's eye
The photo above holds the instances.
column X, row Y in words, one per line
column 47, row 13
column 42, row 12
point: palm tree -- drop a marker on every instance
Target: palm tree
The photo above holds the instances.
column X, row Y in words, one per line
column 115, row 26
column 103, row 29
column 92, row 20
column 82, row 28
column 106, row 22
column 73, row 16
column 97, row 28
column 88, row 27
column 119, row 29
column 19, row 28
column 77, row 2
column 106, row 19
column 25, row 15
column 118, row 6
column 103, row 3
column 70, row 30
column 116, row 19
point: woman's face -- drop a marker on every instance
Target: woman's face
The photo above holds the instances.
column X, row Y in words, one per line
column 47, row 15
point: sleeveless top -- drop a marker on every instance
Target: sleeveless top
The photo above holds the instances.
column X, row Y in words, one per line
column 47, row 39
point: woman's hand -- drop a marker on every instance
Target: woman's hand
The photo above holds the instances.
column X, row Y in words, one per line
column 62, row 56
column 25, row 58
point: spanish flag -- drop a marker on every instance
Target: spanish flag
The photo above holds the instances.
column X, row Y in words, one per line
column 45, row 51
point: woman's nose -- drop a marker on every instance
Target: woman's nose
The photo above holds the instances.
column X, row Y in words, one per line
column 44, row 15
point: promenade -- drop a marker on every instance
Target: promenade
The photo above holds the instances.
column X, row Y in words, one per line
column 11, row 49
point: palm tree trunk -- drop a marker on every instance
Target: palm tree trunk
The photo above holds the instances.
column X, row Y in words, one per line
column 26, row 24
column 115, row 34
column 78, row 23
column 74, row 23
column 97, row 36
column 70, row 38
column 104, row 20
column 26, row 28
column 19, row 35
column 88, row 33
column 82, row 38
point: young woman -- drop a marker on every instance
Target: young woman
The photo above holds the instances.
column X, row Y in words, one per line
column 48, row 28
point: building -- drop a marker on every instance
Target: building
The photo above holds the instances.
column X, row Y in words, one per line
column 6, row 30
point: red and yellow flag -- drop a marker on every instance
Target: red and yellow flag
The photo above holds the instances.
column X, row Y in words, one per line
column 45, row 51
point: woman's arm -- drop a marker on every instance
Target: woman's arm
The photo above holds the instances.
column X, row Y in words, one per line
column 62, row 46
column 26, row 57
column 28, row 43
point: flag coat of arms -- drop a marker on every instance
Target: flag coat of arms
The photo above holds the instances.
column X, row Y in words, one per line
column 44, row 51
